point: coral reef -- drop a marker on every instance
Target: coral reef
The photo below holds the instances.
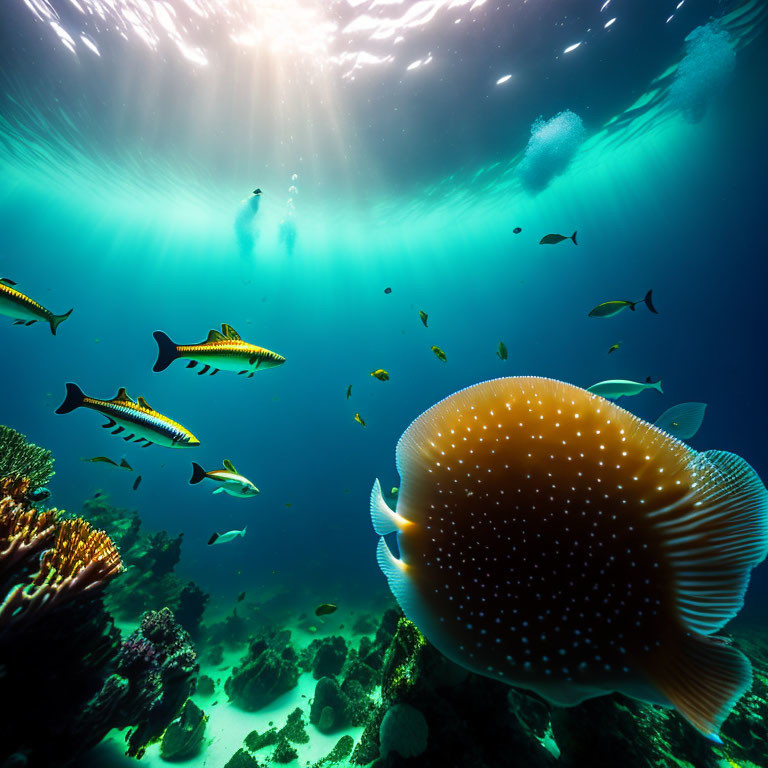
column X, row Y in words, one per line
column 183, row 738
column 149, row 583
column 256, row 741
column 284, row 752
column 18, row 458
column 339, row 753
column 205, row 686
column 294, row 729
column 269, row 668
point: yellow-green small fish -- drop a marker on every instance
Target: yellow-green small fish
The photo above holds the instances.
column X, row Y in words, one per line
column 138, row 419
column 325, row 609
column 611, row 308
column 359, row 420
column 395, row 490
column 613, row 348
column 349, row 391
column 380, row 374
column 224, row 351
column 104, row 459
column 424, row 317
column 439, row 354
column 25, row 311
column 502, row 351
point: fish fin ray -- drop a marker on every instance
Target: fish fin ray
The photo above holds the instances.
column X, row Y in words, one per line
column 144, row 404
column 218, row 490
column 122, row 396
column 229, row 332
column 383, row 518
column 703, row 678
column 214, row 336
column 399, row 584
column 230, row 466
column 191, row 363
column 716, row 541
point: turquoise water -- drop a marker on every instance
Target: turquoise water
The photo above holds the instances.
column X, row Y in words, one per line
column 120, row 198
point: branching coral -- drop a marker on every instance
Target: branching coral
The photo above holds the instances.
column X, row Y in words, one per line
column 75, row 559
column 18, row 458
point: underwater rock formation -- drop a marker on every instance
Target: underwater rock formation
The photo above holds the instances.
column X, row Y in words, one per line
column 154, row 676
column 183, row 738
column 149, row 583
column 294, row 729
column 205, row 686
column 337, row 706
column 341, row 751
column 231, row 632
column 284, row 752
column 403, row 730
column 189, row 613
column 268, row 669
column 242, row 759
column 325, row 656
column 18, row 458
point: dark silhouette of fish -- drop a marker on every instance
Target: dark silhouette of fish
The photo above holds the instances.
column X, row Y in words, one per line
column 517, row 230
column 564, row 546
column 555, row 239
column 325, row 609
column 137, row 483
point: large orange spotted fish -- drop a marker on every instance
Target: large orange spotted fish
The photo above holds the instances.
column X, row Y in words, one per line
column 551, row 539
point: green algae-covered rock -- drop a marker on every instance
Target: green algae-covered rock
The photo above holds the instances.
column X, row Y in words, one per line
column 183, row 738
column 294, row 729
column 264, row 674
column 401, row 661
column 256, row 741
column 284, row 752
column 241, row 759
column 339, row 753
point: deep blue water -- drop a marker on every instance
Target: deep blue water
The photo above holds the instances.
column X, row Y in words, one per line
column 135, row 231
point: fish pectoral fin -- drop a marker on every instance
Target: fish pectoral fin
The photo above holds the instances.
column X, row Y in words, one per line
column 191, row 363
column 18, row 322
column 215, row 371
column 116, row 431
column 218, row 490
column 147, row 444
column 400, row 585
column 703, row 678
column 384, row 519
column 31, row 322
column 250, row 375
column 203, row 370
column 129, row 437
column 110, row 423
column 240, row 373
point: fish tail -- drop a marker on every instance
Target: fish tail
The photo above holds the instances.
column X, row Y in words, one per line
column 213, row 538
column 166, row 351
column 573, row 237
column 198, row 474
column 649, row 302
column 657, row 385
column 74, row 399
column 242, row 533
column 56, row 320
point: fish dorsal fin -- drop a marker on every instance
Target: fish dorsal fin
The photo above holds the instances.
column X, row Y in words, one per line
column 6, row 281
column 229, row 466
column 144, row 404
column 122, row 396
column 214, row 336
column 229, row 332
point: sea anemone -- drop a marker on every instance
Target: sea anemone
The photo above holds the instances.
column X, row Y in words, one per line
column 18, row 458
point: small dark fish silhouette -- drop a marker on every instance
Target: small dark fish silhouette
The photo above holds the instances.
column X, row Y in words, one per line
column 387, row 290
column 424, row 317
column 97, row 459
column 349, row 391
column 324, row 609
column 517, row 230
column 136, row 483
column 614, row 348
column 241, row 597
column 125, row 465
column 439, row 354
column 502, row 351
column 39, row 494
column 555, row 239
column 97, row 494
column 257, row 191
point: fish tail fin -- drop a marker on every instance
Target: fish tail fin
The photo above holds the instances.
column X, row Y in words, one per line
column 649, row 302
column 198, row 474
column 57, row 320
column 657, row 385
column 166, row 351
column 703, row 678
column 573, row 236
column 213, row 538
column 74, row 399
column 242, row 533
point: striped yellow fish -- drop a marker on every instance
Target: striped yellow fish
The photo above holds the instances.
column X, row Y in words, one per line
column 24, row 310
column 138, row 420
column 224, row 351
